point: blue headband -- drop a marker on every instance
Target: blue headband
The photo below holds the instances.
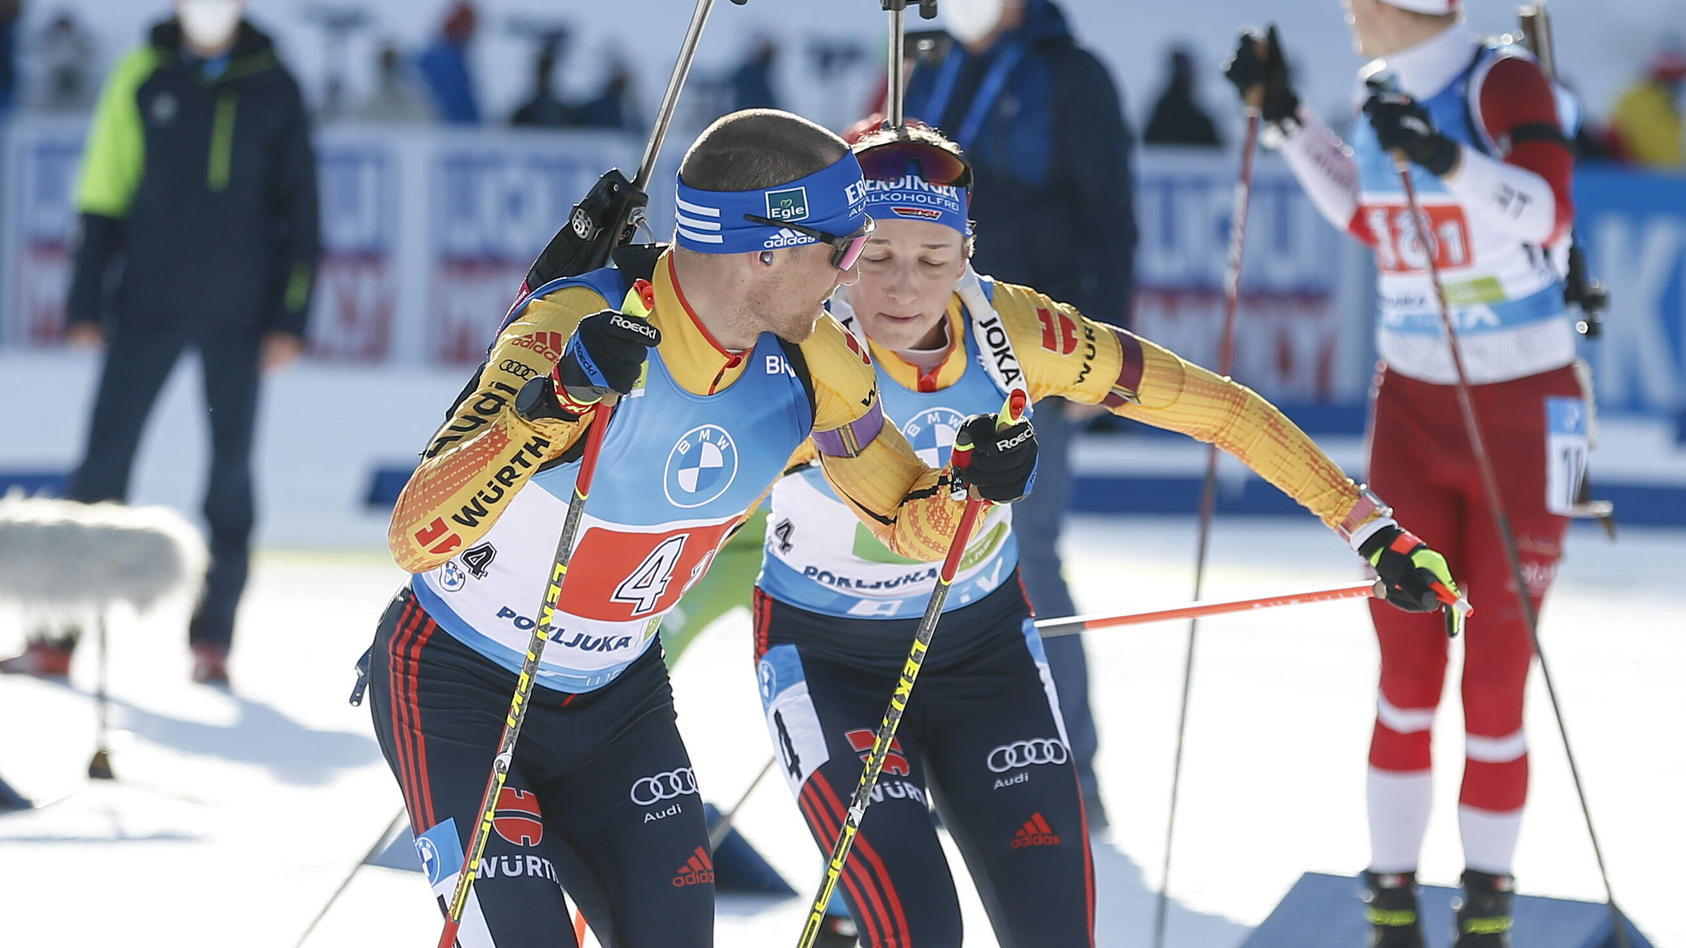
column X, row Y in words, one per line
column 831, row 199
column 912, row 198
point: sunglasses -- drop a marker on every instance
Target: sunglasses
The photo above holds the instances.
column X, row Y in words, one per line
column 845, row 249
column 889, row 162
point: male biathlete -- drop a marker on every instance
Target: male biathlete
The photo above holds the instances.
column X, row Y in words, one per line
column 726, row 362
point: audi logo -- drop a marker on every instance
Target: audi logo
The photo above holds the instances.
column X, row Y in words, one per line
column 674, row 783
column 1042, row 750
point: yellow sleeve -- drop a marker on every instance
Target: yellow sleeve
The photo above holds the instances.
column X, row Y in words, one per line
column 486, row 452
column 903, row 501
column 1067, row 354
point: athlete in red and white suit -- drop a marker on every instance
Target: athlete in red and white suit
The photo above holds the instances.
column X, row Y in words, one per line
column 1492, row 169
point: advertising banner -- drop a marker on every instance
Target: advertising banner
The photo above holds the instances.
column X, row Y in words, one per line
column 427, row 232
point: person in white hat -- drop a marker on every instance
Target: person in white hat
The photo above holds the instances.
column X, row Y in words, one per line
column 1489, row 157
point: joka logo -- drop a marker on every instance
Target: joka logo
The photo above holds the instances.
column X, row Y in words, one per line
column 517, row 817
column 931, row 432
column 697, row 870
column 894, row 762
column 790, row 204
column 1035, row 832
column 700, row 467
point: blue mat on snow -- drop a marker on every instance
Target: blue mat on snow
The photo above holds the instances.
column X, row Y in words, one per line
column 1323, row 911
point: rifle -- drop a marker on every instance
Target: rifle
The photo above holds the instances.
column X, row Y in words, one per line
column 1579, row 289
column 612, row 211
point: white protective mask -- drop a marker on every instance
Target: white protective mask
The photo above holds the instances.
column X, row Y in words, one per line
column 972, row 20
column 209, row 24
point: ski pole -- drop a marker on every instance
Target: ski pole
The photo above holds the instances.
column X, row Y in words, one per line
column 1010, row 414
column 1501, row 519
column 529, row 670
column 381, row 842
column 611, row 211
column 721, row 829
column 1071, row 625
column 1209, row 486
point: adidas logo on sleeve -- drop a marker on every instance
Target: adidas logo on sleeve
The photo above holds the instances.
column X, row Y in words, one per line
column 1035, row 832
column 697, row 870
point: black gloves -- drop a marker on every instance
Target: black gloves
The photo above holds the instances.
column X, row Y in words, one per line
column 999, row 463
column 1258, row 64
column 1403, row 124
column 1417, row 578
column 605, row 354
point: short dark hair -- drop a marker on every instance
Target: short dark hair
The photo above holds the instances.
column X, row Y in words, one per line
column 758, row 148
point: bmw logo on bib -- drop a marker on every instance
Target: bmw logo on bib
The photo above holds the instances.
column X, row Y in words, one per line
column 700, row 467
column 931, row 432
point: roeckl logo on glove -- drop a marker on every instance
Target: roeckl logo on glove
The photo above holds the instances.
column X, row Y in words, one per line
column 643, row 329
column 1008, row 444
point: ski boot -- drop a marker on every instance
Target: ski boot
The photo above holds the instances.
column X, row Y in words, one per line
column 1483, row 912
column 1391, row 900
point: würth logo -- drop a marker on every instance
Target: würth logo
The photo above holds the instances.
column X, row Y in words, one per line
column 697, row 870
column 895, row 762
column 1035, row 832
column 517, row 817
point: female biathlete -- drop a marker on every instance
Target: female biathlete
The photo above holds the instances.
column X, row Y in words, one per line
column 835, row 610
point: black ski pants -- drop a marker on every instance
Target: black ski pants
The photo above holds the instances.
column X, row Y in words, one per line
column 600, row 802
column 138, row 360
column 979, row 740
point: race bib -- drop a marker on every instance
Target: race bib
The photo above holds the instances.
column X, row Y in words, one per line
column 1566, row 451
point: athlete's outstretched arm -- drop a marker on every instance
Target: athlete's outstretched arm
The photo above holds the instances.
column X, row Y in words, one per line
column 1065, row 353
column 903, row 501
column 1327, row 171
column 485, row 451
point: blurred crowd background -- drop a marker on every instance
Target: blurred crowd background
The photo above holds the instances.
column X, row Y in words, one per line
column 571, row 65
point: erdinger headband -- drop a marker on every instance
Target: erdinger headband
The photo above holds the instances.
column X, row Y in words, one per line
column 831, row 199
column 912, row 198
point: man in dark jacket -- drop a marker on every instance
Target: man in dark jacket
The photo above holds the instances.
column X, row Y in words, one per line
column 198, row 176
column 1177, row 118
column 1044, row 127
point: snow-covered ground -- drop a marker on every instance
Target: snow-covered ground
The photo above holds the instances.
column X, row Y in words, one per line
column 236, row 814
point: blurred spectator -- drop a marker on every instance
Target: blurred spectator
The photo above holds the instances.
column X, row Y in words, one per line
column 1050, row 148
column 217, row 244
column 395, row 98
column 444, row 67
column 1177, row 117
column 339, row 22
column 543, row 108
column 10, row 11
column 1646, row 126
column 64, row 51
column 615, row 105
column 752, row 82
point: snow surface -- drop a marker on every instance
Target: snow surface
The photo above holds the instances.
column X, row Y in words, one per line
column 236, row 814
